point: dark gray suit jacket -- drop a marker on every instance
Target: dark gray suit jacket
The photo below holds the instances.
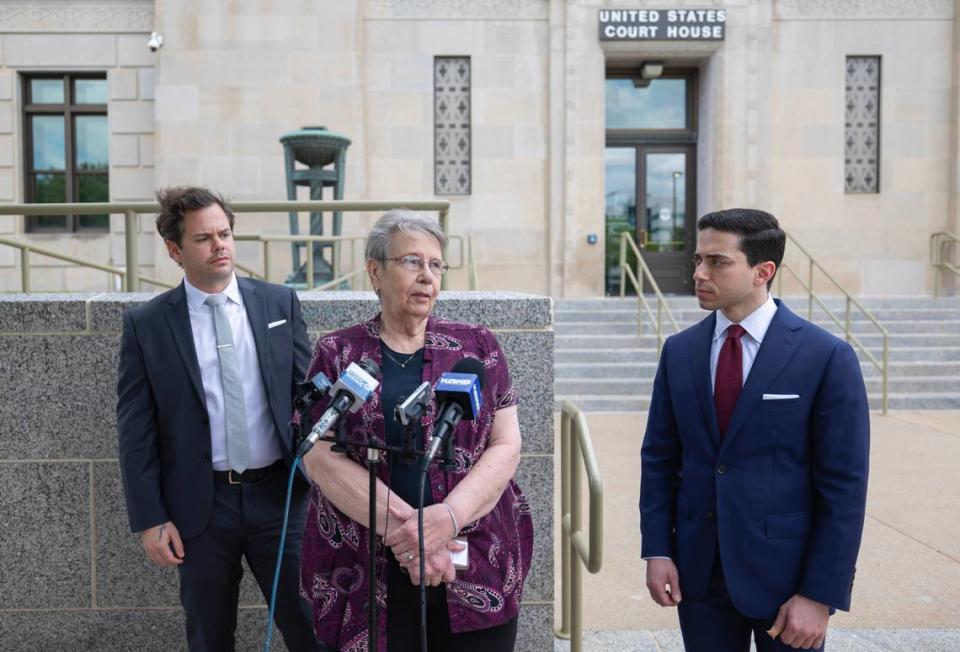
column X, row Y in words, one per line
column 164, row 431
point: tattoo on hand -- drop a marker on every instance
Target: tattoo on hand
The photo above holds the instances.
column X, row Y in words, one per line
column 160, row 533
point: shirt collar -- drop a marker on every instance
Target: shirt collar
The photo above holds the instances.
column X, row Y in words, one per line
column 756, row 323
column 196, row 297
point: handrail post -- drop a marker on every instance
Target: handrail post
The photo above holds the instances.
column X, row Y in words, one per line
column 659, row 327
column 443, row 217
column 266, row 260
column 310, row 266
column 25, row 269
column 886, row 353
column 132, row 275
column 846, row 328
column 576, row 573
column 353, row 259
column 623, row 261
column 935, row 262
column 565, row 543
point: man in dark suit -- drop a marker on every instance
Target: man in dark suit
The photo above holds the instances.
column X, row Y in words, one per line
column 754, row 463
column 205, row 392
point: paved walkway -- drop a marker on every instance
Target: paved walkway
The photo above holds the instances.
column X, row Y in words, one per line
column 907, row 593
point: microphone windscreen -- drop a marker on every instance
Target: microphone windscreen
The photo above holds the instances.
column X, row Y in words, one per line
column 370, row 367
column 469, row 366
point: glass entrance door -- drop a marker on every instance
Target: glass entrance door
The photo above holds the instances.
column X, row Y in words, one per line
column 661, row 176
column 666, row 231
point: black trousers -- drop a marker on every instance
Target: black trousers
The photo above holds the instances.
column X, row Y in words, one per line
column 713, row 624
column 245, row 522
column 403, row 620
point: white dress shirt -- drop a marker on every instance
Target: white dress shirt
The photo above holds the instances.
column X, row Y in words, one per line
column 261, row 431
column 756, row 325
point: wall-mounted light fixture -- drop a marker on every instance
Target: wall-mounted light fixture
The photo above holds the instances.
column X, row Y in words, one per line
column 648, row 70
column 651, row 69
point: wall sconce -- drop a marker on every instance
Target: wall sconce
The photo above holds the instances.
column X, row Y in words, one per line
column 648, row 70
column 651, row 69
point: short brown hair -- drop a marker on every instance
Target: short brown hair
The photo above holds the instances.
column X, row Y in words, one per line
column 176, row 201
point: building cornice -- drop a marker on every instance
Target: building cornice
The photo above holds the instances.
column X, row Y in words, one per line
column 58, row 16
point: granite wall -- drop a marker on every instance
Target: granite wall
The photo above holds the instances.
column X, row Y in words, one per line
column 73, row 575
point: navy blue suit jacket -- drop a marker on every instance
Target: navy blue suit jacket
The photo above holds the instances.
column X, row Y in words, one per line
column 164, row 431
column 783, row 496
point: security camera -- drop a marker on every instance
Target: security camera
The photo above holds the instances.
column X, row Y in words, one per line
column 155, row 42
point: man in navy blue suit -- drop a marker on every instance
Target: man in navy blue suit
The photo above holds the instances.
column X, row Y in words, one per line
column 205, row 392
column 754, row 462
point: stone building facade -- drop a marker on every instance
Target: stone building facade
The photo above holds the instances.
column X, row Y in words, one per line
column 768, row 123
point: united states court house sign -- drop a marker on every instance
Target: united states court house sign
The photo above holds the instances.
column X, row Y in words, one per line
column 662, row 24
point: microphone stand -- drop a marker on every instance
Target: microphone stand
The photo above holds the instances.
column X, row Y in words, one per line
column 341, row 444
column 409, row 450
column 373, row 458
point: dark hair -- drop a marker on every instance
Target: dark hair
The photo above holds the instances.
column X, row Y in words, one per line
column 761, row 238
column 176, row 201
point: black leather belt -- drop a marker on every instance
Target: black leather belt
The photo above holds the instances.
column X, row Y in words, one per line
column 250, row 475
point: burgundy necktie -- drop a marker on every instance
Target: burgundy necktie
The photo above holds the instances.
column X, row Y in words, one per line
column 729, row 380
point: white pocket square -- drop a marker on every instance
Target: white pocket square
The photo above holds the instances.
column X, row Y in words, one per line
column 274, row 324
column 779, row 397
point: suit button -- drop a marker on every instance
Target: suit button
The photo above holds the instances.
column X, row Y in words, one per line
column 205, row 458
column 721, row 469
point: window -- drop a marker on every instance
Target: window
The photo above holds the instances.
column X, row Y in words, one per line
column 451, row 124
column 66, row 147
column 862, row 126
column 660, row 104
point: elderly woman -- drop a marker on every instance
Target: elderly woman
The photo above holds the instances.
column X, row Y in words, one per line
column 474, row 608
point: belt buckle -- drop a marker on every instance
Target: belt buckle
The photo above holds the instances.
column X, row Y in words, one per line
column 230, row 479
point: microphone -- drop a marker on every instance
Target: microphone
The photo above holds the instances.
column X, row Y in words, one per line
column 458, row 395
column 311, row 391
column 352, row 389
column 412, row 408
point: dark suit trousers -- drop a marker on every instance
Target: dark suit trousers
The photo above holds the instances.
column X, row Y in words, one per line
column 245, row 522
column 713, row 624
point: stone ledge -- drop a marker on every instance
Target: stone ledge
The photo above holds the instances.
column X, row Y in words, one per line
column 327, row 311
column 31, row 313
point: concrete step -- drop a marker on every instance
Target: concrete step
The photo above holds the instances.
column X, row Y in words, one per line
column 687, row 316
column 904, row 326
column 870, row 340
column 647, row 369
column 918, row 354
column 644, row 385
column 796, row 304
column 641, row 403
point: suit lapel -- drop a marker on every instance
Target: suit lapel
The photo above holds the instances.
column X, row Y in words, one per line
column 178, row 318
column 778, row 346
column 700, row 368
column 254, row 303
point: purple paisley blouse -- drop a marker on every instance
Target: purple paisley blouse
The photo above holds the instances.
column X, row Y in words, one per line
column 334, row 562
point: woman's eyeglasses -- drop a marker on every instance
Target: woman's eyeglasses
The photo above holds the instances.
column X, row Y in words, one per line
column 416, row 263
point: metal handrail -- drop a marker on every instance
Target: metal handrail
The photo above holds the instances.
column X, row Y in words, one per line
column 812, row 265
column 131, row 272
column 473, row 274
column 573, row 424
column 626, row 271
column 939, row 260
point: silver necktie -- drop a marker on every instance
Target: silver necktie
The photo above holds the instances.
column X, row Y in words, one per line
column 234, row 410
